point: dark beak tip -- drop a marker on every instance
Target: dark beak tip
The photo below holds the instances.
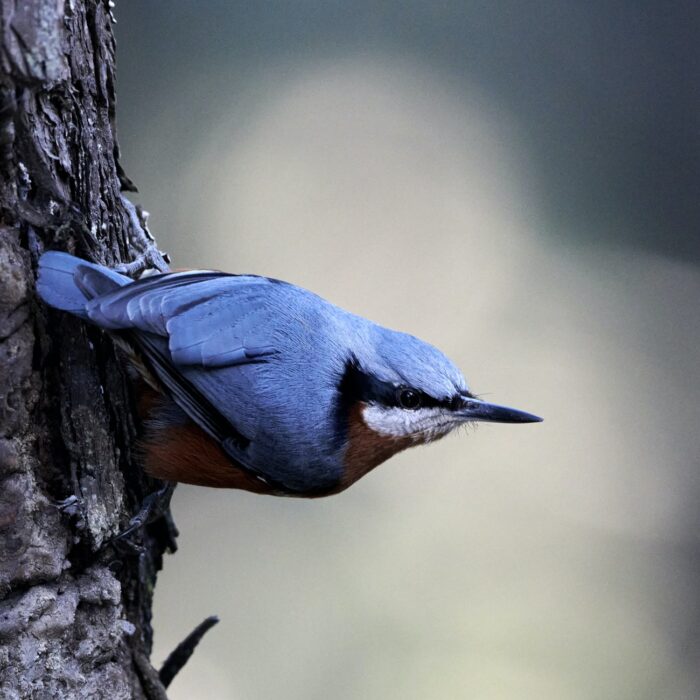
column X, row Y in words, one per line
column 482, row 411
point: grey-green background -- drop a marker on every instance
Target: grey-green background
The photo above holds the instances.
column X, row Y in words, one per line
column 517, row 184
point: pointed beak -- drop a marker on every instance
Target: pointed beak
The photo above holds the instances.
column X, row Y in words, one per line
column 476, row 410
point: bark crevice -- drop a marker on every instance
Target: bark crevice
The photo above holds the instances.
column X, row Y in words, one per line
column 75, row 611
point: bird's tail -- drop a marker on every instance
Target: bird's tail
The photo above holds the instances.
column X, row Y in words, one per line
column 67, row 283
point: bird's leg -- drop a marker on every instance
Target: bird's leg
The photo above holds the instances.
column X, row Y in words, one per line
column 73, row 507
column 155, row 505
column 149, row 257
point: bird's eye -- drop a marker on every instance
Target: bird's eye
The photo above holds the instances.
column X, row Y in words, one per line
column 409, row 399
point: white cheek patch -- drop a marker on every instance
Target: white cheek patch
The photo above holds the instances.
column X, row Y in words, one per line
column 428, row 423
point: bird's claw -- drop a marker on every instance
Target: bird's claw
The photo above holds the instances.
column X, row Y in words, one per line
column 154, row 506
column 149, row 257
column 70, row 506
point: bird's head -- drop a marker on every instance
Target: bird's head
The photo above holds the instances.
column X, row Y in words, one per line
column 403, row 392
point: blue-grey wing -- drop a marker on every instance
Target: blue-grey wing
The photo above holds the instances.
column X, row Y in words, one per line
column 248, row 359
column 211, row 319
column 191, row 327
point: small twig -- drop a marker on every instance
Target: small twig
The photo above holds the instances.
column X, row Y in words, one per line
column 153, row 687
column 182, row 652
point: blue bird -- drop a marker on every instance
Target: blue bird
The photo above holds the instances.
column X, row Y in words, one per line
column 267, row 387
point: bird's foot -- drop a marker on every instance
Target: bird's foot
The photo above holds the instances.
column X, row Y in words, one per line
column 156, row 505
column 73, row 507
column 149, row 257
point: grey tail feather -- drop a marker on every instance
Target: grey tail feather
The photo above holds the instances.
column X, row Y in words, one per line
column 67, row 283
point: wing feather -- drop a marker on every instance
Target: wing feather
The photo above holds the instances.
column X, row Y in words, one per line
column 211, row 319
column 197, row 406
column 188, row 323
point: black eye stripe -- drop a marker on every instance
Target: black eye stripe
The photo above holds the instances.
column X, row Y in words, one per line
column 357, row 385
column 428, row 401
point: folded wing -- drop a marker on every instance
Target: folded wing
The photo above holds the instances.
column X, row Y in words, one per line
column 188, row 323
column 211, row 319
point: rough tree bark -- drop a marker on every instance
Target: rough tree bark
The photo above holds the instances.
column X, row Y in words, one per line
column 75, row 610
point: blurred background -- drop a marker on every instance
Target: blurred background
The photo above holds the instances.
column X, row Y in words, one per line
column 516, row 183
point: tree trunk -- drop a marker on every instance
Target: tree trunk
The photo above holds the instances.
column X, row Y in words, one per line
column 75, row 609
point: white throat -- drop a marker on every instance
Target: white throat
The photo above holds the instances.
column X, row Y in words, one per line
column 423, row 423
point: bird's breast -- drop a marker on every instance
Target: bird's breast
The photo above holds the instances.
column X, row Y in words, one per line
column 366, row 448
column 186, row 454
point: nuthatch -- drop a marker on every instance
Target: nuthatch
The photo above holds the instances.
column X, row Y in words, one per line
column 269, row 387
